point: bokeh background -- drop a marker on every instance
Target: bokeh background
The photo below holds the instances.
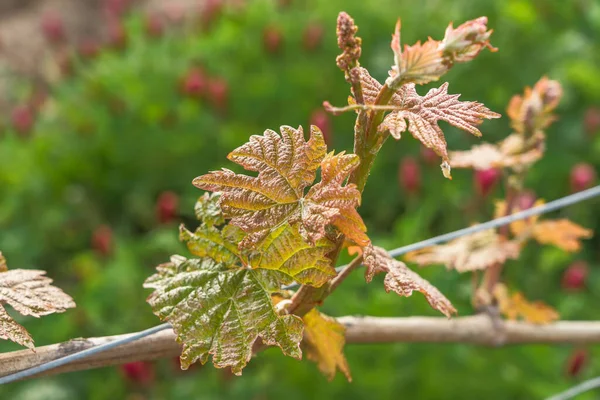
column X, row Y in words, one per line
column 109, row 111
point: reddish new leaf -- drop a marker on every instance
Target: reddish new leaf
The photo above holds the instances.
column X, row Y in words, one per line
column 515, row 152
column 466, row 42
column 533, row 111
column 427, row 62
column 329, row 202
column 423, row 113
column 468, row 253
column 286, row 166
column 402, row 279
column 420, row 63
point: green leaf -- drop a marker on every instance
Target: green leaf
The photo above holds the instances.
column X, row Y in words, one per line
column 221, row 311
column 286, row 251
column 208, row 241
column 208, row 211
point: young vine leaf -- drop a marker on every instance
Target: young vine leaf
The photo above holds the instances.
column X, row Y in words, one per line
column 529, row 114
column 424, row 112
column 561, row 233
column 286, row 166
column 513, row 152
column 420, row 63
column 324, row 341
column 468, row 253
column 533, row 111
column 29, row 292
column 402, row 279
column 427, row 62
column 221, row 310
column 464, row 43
column 516, row 306
column 220, row 303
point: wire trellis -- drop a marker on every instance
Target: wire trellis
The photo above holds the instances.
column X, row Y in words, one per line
column 495, row 223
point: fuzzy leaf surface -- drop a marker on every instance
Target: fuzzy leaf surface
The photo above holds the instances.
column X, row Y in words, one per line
column 13, row 331
column 221, row 311
column 325, row 340
column 423, row 113
column 286, row 166
column 532, row 111
column 468, row 253
column 419, row 63
column 207, row 209
column 402, row 279
column 512, row 152
column 29, row 292
column 285, row 251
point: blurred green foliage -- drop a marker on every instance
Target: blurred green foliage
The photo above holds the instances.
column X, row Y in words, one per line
column 120, row 131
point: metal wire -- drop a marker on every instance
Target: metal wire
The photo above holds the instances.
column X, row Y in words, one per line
column 551, row 206
column 495, row 223
column 577, row 389
column 81, row 354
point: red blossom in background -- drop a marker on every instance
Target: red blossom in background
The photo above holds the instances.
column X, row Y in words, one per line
column 429, row 156
column 218, row 93
column 576, row 362
column 89, row 48
column 117, row 36
column 322, row 120
column 194, row 83
column 591, row 120
column 102, row 240
column 138, row 372
column 582, row 176
column 53, row 27
column 312, row 36
column 485, row 180
column 22, row 119
column 210, row 11
column 272, row 39
column 116, row 8
column 409, row 175
column 166, row 207
column 154, row 25
column 575, row 276
column 526, row 199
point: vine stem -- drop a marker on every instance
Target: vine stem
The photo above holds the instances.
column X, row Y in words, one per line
column 354, row 264
column 367, row 143
column 493, row 273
